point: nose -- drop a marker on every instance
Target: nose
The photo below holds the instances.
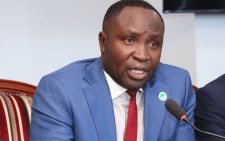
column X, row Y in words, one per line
column 141, row 53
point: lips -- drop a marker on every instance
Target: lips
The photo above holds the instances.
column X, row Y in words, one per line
column 137, row 73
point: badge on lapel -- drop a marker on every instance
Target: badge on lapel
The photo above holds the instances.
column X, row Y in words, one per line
column 162, row 96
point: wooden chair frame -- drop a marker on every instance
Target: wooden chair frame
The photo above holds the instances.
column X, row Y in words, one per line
column 11, row 86
column 195, row 88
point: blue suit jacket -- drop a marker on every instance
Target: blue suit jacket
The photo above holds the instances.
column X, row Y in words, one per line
column 74, row 103
column 210, row 110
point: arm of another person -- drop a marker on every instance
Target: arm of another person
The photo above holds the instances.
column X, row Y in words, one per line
column 51, row 112
column 210, row 110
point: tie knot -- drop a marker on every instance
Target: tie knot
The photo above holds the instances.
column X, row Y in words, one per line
column 132, row 93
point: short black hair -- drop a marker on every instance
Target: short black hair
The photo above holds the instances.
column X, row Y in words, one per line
column 115, row 9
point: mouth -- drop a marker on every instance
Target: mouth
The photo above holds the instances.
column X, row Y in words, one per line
column 137, row 74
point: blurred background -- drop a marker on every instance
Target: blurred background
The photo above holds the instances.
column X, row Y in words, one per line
column 38, row 37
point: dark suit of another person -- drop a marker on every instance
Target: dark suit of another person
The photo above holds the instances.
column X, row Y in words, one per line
column 210, row 110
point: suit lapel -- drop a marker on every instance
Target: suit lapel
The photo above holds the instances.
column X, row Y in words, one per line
column 154, row 110
column 100, row 102
column 101, row 107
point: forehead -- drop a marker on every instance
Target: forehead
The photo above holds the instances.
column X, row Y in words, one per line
column 139, row 19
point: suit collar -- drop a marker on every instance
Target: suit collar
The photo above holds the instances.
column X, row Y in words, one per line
column 99, row 101
column 93, row 72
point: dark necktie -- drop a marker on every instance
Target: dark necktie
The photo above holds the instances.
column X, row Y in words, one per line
column 131, row 128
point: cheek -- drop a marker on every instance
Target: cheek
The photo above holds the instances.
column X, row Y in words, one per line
column 155, row 58
column 155, row 54
column 119, row 54
column 114, row 60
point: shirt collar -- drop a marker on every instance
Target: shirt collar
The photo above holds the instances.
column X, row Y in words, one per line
column 115, row 89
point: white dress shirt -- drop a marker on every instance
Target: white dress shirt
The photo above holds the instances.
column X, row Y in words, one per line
column 121, row 101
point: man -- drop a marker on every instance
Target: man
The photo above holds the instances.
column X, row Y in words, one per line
column 120, row 96
column 210, row 110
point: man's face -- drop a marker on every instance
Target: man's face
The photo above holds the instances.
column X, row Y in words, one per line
column 131, row 50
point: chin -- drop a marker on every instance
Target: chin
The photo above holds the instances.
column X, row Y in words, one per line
column 135, row 86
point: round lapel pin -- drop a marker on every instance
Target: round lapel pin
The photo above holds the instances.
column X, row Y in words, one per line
column 162, row 96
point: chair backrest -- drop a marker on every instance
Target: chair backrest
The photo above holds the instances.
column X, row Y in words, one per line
column 15, row 110
column 11, row 86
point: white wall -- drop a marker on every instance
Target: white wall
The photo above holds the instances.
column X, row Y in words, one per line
column 179, row 42
column 210, row 47
column 38, row 37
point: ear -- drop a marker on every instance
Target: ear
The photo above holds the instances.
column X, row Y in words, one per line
column 102, row 41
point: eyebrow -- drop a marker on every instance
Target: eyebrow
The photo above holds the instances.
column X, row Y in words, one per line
column 155, row 35
column 133, row 32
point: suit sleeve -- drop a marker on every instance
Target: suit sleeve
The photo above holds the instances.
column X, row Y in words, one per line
column 184, row 131
column 51, row 112
column 210, row 110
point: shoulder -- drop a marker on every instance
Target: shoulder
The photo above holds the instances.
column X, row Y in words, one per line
column 70, row 75
column 170, row 70
column 213, row 91
column 211, row 98
column 172, row 73
column 75, row 69
column 75, row 66
column 216, row 86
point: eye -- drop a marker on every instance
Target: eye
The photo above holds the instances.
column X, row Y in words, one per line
column 153, row 44
column 129, row 41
